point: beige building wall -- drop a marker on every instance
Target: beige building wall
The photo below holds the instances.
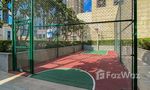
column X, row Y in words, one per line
column 76, row 5
column 1, row 34
column 4, row 32
column 87, row 17
column 107, row 13
column 110, row 13
column 143, row 18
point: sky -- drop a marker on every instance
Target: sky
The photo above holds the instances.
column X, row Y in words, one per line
column 9, row 14
column 87, row 6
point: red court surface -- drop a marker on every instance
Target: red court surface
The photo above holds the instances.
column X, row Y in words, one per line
column 92, row 63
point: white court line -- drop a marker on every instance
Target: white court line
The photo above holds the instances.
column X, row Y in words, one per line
column 94, row 83
column 10, row 79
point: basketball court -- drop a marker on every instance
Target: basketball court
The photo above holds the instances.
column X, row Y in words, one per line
column 81, row 43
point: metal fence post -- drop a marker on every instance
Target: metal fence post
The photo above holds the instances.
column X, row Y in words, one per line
column 31, row 39
column 135, row 85
column 13, row 39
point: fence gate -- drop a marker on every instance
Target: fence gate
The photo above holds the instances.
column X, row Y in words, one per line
column 22, row 36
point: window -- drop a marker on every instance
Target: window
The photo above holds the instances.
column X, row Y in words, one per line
column 74, row 38
column 40, row 26
column 44, row 36
column 101, row 3
column 40, row 36
column 8, row 35
column 116, row 2
column 5, row 16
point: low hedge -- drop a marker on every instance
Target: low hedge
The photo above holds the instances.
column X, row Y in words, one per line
column 107, row 42
column 5, row 46
column 144, row 43
column 101, row 42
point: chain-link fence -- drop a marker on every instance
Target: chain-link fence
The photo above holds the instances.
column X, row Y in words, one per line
column 124, row 33
column 21, row 34
column 63, row 27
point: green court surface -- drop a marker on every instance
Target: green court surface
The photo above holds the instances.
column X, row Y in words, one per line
column 100, row 52
column 72, row 77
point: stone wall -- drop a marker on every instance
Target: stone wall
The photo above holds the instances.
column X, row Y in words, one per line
column 111, row 12
column 5, row 61
column 143, row 18
column 94, row 47
column 39, row 56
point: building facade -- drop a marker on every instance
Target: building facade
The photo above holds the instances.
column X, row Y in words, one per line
column 6, row 32
column 76, row 5
column 102, row 10
column 5, row 17
column 143, row 19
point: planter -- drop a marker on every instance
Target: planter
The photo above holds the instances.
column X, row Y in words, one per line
column 144, row 55
column 5, row 61
column 41, row 55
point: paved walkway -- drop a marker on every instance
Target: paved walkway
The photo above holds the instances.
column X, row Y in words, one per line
column 144, row 71
column 18, row 82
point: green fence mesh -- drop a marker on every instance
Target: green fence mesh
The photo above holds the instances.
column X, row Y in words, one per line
column 62, row 27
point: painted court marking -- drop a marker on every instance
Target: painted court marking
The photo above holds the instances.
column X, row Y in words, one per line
column 10, row 78
column 93, row 88
column 90, row 63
